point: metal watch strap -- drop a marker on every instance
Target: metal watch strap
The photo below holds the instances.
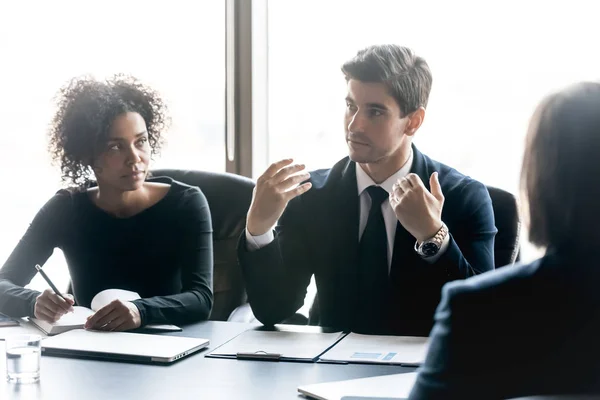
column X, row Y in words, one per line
column 438, row 239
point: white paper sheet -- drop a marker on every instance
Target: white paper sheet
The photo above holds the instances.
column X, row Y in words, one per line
column 379, row 349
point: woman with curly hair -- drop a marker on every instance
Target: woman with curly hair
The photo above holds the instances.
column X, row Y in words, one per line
column 118, row 227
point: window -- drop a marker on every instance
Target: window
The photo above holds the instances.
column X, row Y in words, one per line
column 177, row 47
column 491, row 64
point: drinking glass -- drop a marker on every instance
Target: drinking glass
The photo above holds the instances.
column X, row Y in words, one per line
column 23, row 353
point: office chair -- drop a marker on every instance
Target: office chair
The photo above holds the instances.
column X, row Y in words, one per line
column 228, row 197
column 508, row 223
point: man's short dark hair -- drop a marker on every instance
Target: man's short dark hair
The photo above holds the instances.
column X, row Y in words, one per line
column 561, row 168
column 406, row 75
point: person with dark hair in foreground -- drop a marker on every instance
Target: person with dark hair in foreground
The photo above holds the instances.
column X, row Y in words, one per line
column 124, row 230
column 533, row 329
column 382, row 230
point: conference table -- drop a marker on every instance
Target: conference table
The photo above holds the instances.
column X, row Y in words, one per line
column 193, row 377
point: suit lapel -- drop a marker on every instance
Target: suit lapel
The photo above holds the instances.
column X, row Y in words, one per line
column 345, row 257
column 345, row 235
column 420, row 167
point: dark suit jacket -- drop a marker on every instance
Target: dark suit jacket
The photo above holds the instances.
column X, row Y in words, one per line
column 318, row 234
column 518, row 331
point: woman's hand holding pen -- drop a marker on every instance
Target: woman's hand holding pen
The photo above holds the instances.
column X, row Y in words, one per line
column 50, row 307
column 118, row 315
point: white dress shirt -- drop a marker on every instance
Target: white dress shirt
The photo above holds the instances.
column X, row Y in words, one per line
column 363, row 181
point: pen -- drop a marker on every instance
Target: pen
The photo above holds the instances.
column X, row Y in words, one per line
column 37, row 266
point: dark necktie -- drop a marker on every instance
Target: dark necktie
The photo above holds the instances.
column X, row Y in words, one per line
column 373, row 266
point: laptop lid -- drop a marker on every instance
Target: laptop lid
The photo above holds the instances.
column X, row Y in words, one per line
column 137, row 347
column 387, row 387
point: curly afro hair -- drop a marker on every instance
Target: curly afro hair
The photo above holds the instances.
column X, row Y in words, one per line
column 86, row 109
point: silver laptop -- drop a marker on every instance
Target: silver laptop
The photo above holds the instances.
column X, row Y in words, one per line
column 122, row 346
column 387, row 387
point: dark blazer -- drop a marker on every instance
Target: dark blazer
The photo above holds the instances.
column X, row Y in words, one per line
column 518, row 331
column 318, row 234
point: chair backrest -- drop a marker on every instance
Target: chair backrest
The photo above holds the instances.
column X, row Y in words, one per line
column 508, row 223
column 228, row 197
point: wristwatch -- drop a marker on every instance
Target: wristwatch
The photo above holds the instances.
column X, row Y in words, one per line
column 430, row 247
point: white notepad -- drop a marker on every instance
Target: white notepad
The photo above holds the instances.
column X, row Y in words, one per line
column 397, row 386
column 76, row 319
column 122, row 346
column 379, row 349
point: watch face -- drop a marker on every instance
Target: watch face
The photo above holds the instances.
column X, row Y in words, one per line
column 429, row 249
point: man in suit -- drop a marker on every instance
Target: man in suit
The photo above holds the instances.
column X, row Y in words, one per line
column 382, row 230
column 533, row 329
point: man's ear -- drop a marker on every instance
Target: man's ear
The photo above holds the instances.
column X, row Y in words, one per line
column 415, row 120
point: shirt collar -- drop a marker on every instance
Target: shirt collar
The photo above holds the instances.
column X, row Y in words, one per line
column 363, row 180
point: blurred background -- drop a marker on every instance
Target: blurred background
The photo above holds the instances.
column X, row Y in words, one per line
column 492, row 62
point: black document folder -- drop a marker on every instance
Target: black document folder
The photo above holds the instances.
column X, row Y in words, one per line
column 281, row 344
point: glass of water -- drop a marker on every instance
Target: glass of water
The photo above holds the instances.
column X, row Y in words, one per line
column 23, row 353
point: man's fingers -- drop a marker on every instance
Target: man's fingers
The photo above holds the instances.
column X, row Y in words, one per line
column 276, row 166
column 414, row 181
column 405, row 185
column 291, row 181
column 285, row 172
column 290, row 194
column 436, row 188
column 393, row 197
column 397, row 189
